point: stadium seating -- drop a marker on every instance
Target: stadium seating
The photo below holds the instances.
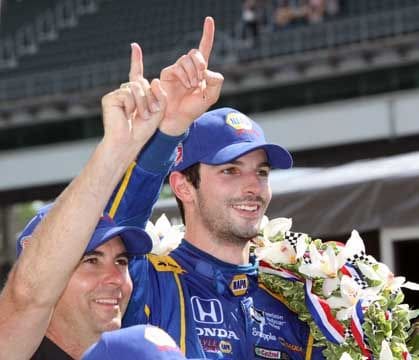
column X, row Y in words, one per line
column 51, row 41
column 18, row 13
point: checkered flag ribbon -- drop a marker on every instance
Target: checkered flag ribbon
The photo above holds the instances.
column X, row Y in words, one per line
column 362, row 283
column 353, row 271
column 395, row 292
column 348, row 333
column 292, row 238
column 361, row 256
column 307, row 259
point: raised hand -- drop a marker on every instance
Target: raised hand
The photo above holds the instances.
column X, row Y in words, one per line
column 191, row 88
column 132, row 113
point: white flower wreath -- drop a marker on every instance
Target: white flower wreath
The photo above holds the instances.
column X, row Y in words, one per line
column 352, row 302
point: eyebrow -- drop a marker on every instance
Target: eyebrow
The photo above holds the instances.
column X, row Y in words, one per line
column 102, row 254
column 239, row 162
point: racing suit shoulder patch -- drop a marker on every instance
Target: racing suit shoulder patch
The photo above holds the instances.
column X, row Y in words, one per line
column 165, row 263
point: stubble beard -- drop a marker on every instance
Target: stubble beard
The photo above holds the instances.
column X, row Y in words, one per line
column 223, row 228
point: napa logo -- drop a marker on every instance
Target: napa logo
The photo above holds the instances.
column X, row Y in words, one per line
column 238, row 121
column 226, row 347
column 239, row 284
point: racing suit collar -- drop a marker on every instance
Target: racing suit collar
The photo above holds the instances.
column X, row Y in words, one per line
column 208, row 268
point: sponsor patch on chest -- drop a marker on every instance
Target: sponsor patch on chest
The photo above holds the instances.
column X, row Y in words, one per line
column 239, row 284
column 211, row 345
column 265, row 353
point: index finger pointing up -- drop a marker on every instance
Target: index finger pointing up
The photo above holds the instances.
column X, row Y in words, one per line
column 136, row 69
column 207, row 39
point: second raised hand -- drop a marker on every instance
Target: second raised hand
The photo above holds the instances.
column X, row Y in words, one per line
column 191, row 88
column 132, row 113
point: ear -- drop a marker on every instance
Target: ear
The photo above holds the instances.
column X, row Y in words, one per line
column 181, row 187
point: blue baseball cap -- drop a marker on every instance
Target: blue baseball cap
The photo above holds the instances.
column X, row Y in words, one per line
column 222, row 135
column 135, row 239
column 134, row 342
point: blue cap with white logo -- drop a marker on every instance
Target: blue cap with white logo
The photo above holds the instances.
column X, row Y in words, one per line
column 135, row 239
column 134, row 342
column 222, row 135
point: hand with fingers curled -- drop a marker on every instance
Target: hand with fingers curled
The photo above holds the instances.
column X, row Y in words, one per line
column 132, row 113
column 191, row 88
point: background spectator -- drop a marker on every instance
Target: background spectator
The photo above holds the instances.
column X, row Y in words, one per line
column 254, row 18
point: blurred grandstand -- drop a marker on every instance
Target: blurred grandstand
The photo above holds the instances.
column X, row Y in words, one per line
column 341, row 89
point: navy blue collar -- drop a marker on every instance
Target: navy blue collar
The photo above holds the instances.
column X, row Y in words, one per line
column 205, row 266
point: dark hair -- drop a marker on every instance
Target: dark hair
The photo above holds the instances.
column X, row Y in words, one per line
column 192, row 175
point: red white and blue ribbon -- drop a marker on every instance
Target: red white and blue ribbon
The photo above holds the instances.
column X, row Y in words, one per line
column 279, row 271
column 406, row 355
column 349, row 270
column 322, row 315
column 356, row 327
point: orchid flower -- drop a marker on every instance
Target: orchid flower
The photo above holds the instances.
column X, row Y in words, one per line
column 264, row 222
column 165, row 237
column 387, row 280
column 346, row 356
column 324, row 265
column 385, row 353
column 279, row 252
column 282, row 252
column 392, row 282
column 354, row 246
column 276, row 227
column 351, row 293
column 260, row 239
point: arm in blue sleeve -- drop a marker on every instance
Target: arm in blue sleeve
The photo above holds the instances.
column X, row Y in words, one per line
column 142, row 295
column 133, row 199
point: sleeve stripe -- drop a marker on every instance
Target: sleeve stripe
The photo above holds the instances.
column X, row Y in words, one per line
column 309, row 347
column 182, row 341
column 279, row 297
column 147, row 311
column 121, row 190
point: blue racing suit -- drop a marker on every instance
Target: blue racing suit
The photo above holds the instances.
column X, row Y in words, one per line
column 211, row 308
column 214, row 309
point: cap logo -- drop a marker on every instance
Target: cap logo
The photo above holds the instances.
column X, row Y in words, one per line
column 179, row 154
column 238, row 121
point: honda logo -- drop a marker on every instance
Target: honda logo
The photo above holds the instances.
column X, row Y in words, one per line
column 207, row 311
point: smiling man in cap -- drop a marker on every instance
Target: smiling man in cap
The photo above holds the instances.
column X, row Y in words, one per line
column 71, row 281
column 205, row 293
column 98, row 291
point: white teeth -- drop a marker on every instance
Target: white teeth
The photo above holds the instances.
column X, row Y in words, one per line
column 107, row 301
column 246, row 207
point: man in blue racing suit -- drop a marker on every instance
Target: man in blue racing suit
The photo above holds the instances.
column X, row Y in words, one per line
column 205, row 293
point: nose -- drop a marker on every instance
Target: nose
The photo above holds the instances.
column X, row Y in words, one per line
column 114, row 275
column 252, row 184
